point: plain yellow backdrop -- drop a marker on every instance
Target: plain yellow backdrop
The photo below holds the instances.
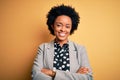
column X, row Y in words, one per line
column 23, row 27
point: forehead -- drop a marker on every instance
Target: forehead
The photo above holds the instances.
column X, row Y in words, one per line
column 63, row 19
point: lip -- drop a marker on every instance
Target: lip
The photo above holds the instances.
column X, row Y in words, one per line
column 62, row 34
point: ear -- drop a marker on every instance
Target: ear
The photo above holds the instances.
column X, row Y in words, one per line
column 52, row 26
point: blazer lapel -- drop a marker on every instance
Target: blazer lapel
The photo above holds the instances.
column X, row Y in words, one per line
column 50, row 54
column 72, row 54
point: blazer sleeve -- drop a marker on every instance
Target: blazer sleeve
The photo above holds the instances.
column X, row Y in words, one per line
column 83, row 61
column 63, row 75
column 38, row 65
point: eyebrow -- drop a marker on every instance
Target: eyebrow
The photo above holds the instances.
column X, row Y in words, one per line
column 61, row 23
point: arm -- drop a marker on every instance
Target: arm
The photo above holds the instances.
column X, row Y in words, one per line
column 82, row 70
column 38, row 65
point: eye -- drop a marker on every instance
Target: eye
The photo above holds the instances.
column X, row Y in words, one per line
column 59, row 25
column 68, row 26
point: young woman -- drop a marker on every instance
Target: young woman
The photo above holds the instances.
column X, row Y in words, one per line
column 61, row 59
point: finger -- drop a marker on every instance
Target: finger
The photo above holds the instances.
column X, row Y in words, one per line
column 85, row 69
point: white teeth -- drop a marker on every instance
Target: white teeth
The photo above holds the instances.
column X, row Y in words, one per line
column 62, row 34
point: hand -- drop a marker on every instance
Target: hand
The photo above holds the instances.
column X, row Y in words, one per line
column 48, row 72
column 83, row 70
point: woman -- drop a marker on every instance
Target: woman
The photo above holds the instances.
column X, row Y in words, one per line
column 61, row 59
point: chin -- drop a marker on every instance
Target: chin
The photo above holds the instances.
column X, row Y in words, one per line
column 62, row 39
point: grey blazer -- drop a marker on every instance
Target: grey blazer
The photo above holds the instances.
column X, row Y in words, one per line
column 45, row 56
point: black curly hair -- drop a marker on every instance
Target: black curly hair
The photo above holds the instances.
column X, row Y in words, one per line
column 62, row 10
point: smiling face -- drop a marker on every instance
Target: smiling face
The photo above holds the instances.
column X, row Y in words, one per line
column 62, row 27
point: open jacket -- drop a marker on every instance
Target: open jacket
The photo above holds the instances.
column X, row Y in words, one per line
column 45, row 58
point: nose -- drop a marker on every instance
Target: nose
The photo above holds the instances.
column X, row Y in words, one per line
column 63, row 28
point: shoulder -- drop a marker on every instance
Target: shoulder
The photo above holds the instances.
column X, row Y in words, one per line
column 46, row 44
column 76, row 45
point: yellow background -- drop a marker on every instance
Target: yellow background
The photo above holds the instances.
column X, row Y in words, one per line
column 23, row 27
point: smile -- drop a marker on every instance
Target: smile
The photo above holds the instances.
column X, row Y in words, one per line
column 62, row 34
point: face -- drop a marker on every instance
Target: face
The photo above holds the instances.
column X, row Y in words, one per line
column 62, row 27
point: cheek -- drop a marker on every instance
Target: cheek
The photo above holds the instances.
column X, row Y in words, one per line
column 56, row 29
column 69, row 31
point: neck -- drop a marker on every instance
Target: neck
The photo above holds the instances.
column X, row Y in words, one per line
column 61, row 42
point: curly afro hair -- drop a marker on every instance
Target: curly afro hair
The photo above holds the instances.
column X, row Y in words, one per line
column 62, row 10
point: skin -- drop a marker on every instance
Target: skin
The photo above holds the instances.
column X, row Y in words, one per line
column 62, row 27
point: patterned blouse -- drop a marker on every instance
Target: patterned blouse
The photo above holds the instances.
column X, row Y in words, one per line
column 61, row 57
